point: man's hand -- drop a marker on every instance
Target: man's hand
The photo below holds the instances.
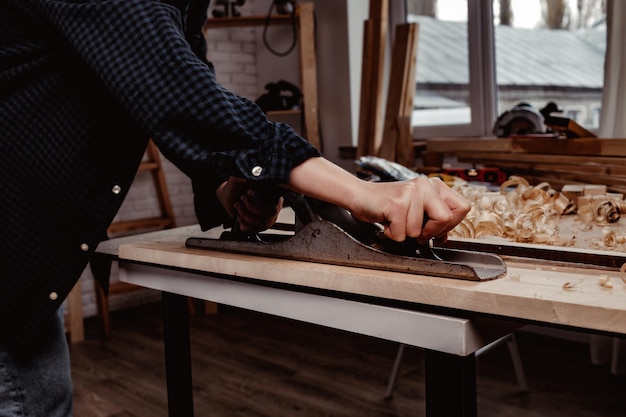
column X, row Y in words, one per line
column 422, row 208
column 240, row 203
column 400, row 206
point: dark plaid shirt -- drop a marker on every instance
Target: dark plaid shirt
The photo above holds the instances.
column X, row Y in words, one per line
column 83, row 85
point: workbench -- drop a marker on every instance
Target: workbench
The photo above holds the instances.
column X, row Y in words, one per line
column 451, row 319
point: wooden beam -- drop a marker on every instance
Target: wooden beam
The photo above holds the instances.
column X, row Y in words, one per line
column 397, row 144
column 372, row 72
column 583, row 146
column 74, row 317
column 308, row 68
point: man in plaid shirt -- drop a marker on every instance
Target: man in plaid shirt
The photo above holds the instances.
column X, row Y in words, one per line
column 83, row 85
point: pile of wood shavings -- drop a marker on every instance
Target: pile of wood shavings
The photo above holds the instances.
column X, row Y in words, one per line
column 520, row 212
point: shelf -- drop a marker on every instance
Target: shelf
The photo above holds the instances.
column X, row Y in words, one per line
column 138, row 225
column 283, row 112
column 229, row 22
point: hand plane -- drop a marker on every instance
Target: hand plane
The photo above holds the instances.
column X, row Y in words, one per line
column 325, row 233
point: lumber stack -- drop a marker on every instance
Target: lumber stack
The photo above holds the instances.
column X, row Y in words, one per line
column 556, row 161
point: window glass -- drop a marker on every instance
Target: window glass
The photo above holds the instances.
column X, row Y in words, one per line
column 442, row 70
column 551, row 51
column 544, row 51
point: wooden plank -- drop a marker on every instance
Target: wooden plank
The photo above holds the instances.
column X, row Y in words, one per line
column 394, row 145
column 584, row 146
column 601, row 161
column 555, row 173
column 242, row 21
column 372, row 72
column 160, row 185
column 135, row 226
column 558, row 183
column 404, row 146
column 368, row 136
column 454, row 145
column 74, row 317
column 614, row 168
column 527, row 292
column 308, row 73
column 619, row 171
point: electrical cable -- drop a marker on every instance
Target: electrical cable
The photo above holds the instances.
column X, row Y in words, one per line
column 293, row 28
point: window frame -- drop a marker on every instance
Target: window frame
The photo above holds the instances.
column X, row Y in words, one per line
column 482, row 72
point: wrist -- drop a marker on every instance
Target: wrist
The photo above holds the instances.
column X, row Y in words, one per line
column 321, row 179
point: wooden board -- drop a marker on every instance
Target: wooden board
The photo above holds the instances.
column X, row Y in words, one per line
column 372, row 71
column 397, row 143
column 308, row 72
column 583, row 146
column 530, row 292
column 557, row 161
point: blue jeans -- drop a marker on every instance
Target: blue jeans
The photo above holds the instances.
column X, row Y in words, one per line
column 39, row 385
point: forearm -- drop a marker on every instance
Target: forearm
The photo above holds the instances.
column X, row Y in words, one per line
column 321, row 179
column 400, row 206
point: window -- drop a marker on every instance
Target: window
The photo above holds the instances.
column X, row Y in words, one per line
column 551, row 52
column 479, row 58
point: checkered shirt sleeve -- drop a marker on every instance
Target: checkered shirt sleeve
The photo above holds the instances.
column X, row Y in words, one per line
column 137, row 49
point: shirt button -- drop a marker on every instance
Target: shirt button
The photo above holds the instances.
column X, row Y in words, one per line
column 116, row 189
column 84, row 247
column 257, row 170
column 53, row 295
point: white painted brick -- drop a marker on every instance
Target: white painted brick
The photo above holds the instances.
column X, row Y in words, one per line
column 215, row 56
column 231, row 47
column 243, row 58
column 250, row 92
column 249, row 48
column 228, row 68
column 243, row 35
column 214, row 36
column 225, row 79
column 242, row 78
column 250, row 69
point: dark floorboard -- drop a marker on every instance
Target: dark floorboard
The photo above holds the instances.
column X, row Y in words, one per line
column 253, row 365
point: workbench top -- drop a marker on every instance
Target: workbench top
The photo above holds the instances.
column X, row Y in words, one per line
column 531, row 291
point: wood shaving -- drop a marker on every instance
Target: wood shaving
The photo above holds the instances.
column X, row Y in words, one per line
column 524, row 213
column 605, row 281
column 568, row 286
column 622, row 273
column 608, row 212
column 609, row 237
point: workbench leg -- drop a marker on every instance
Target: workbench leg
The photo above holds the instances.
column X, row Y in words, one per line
column 450, row 385
column 177, row 355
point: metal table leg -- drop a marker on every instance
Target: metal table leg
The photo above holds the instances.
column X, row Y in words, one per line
column 450, row 385
column 177, row 355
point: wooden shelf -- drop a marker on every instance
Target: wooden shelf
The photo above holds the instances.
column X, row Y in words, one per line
column 284, row 112
column 138, row 225
column 230, row 22
column 148, row 166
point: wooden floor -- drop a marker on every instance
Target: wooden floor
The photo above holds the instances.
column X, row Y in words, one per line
column 252, row 365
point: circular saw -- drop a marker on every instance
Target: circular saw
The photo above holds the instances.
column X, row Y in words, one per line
column 522, row 119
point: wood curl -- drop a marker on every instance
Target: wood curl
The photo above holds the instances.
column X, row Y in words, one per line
column 608, row 212
column 522, row 212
